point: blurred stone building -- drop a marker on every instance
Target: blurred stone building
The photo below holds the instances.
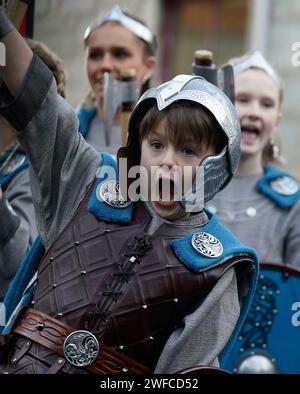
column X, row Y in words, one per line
column 226, row 27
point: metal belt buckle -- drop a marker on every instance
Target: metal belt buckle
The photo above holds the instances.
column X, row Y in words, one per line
column 81, row 348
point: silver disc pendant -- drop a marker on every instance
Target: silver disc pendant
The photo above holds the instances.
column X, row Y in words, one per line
column 14, row 163
column 109, row 192
column 285, row 186
column 251, row 212
column 81, row 348
column 207, row 245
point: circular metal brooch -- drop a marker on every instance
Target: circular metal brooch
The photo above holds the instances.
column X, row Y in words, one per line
column 285, row 186
column 109, row 192
column 207, row 245
column 81, row 348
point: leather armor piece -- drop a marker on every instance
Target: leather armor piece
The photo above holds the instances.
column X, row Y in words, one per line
column 76, row 273
column 51, row 333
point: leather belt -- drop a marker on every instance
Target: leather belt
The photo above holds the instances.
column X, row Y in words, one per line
column 51, row 333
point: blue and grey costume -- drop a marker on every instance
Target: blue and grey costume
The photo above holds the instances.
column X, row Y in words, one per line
column 264, row 212
column 61, row 173
column 17, row 220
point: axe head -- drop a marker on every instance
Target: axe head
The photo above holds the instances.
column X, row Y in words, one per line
column 112, row 99
column 115, row 93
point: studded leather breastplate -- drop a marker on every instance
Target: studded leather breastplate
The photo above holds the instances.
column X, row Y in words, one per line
column 88, row 280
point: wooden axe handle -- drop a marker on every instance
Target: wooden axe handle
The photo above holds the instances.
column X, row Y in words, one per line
column 16, row 10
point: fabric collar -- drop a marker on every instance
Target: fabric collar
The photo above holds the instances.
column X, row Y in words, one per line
column 196, row 261
column 99, row 208
column 273, row 185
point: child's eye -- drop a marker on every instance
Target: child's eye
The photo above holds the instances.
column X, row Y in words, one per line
column 242, row 99
column 156, row 146
column 188, row 151
column 95, row 55
column 120, row 53
column 268, row 104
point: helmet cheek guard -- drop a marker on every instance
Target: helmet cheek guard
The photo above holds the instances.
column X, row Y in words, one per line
column 215, row 171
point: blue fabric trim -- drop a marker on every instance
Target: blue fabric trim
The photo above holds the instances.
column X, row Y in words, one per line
column 25, row 301
column 18, row 285
column 231, row 247
column 6, row 179
column 243, row 314
column 195, row 261
column 101, row 210
column 271, row 173
column 85, row 116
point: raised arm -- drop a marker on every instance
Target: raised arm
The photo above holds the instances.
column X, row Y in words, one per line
column 62, row 164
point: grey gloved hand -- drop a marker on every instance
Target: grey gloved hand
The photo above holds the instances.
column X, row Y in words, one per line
column 5, row 24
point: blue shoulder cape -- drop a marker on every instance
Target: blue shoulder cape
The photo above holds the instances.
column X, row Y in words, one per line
column 279, row 186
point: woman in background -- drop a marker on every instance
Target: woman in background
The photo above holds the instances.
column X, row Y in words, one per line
column 113, row 43
column 262, row 203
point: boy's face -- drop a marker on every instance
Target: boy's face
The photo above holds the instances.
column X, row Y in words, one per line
column 171, row 170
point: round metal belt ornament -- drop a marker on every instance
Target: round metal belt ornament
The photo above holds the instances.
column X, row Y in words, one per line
column 285, row 186
column 109, row 192
column 207, row 245
column 81, row 348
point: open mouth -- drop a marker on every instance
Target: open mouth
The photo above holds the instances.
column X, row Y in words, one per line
column 249, row 133
column 250, row 129
column 166, row 192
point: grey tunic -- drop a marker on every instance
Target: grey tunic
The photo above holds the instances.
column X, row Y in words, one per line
column 17, row 227
column 274, row 232
column 62, row 165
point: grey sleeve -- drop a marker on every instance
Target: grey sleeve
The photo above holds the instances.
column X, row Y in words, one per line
column 17, row 227
column 205, row 332
column 62, row 163
column 291, row 253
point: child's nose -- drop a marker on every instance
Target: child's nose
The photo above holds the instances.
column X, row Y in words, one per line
column 106, row 63
column 169, row 158
column 254, row 110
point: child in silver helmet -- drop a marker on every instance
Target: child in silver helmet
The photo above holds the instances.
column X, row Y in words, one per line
column 161, row 286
